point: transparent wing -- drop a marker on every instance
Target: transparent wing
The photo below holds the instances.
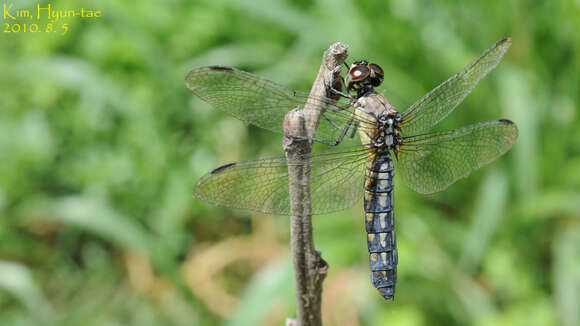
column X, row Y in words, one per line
column 432, row 162
column 263, row 103
column 262, row 185
column 438, row 103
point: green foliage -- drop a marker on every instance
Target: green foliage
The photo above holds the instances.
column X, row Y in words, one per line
column 101, row 144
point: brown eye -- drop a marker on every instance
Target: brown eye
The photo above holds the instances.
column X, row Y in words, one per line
column 376, row 69
column 377, row 74
column 359, row 73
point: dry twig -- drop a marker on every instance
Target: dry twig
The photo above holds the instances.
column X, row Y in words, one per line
column 299, row 126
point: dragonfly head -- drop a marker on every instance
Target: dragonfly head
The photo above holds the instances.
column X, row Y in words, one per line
column 363, row 76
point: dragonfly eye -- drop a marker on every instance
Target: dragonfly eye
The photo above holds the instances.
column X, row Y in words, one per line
column 359, row 73
column 356, row 76
column 377, row 74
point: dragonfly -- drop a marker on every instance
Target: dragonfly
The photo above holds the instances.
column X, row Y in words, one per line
column 428, row 161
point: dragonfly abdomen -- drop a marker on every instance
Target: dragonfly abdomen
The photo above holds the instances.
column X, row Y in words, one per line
column 380, row 223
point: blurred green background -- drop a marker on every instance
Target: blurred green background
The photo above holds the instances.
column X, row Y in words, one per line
column 101, row 144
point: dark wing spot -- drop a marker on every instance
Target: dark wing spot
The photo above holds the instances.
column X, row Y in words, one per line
column 506, row 121
column 222, row 168
column 221, row 68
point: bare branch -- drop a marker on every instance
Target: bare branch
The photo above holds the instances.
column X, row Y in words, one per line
column 309, row 267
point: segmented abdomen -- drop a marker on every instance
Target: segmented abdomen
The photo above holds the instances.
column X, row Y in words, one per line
column 380, row 223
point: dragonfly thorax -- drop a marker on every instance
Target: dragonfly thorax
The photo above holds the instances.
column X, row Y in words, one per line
column 386, row 121
column 388, row 136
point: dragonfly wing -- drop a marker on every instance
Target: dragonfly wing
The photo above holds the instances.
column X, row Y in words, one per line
column 262, row 185
column 264, row 103
column 441, row 101
column 432, row 162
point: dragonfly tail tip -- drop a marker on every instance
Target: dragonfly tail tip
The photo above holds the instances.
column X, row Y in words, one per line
column 388, row 293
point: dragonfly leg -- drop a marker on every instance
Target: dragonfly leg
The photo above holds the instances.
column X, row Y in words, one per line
column 354, row 129
column 339, row 108
column 339, row 93
column 335, row 91
column 332, row 122
column 342, row 134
